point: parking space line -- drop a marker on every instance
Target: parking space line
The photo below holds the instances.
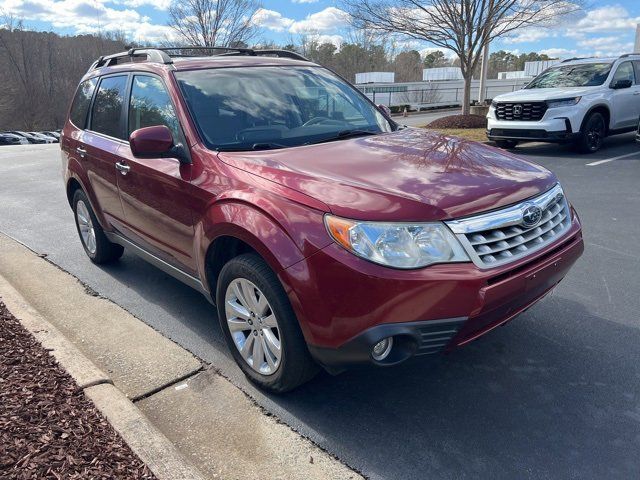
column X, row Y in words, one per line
column 607, row 160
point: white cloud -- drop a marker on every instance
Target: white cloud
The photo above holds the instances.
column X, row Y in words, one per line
column 304, row 1
column 88, row 16
column 337, row 40
column 530, row 35
column 330, row 18
column 272, row 20
column 157, row 4
column 558, row 52
column 605, row 19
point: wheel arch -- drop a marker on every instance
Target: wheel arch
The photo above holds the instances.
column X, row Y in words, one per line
column 604, row 110
column 231, row 228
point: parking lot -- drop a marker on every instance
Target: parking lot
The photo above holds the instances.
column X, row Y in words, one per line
column 553, row 394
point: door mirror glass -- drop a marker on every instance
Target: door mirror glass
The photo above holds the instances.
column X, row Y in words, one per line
column 155, row 141
column 618, row 84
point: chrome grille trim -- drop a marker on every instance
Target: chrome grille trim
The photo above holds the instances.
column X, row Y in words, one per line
column 496, row 238
column 528, row 111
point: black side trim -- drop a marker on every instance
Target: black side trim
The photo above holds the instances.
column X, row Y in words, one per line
column 409, row 339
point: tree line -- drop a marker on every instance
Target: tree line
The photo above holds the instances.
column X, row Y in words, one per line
column 43, row 68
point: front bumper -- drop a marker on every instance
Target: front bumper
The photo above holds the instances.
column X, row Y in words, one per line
column 348, row 306
column 558, row 125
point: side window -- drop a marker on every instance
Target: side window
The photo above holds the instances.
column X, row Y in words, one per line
column 625, row 72
column 150, row 105
column 82, row 102
column 636, row 64
column 106, row 115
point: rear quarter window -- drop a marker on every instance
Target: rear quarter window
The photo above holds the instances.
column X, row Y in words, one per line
column 82, row 102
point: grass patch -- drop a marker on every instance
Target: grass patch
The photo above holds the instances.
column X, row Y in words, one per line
column 475, row 134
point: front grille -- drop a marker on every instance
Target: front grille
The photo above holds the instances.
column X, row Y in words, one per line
column 503, row 236
column 526, row 112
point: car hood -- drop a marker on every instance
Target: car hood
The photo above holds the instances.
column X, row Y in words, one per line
column 407, row 175
column 541, row 94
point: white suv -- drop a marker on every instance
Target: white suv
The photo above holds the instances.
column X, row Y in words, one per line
column 579, row 100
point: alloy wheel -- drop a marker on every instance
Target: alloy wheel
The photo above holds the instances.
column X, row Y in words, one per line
column 595, row 134
column 85, row 225
column 253, row 326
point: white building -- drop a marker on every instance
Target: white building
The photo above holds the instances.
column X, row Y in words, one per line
column 441, row 73
column 375, row 77
column 532, row 69
column 510, row 75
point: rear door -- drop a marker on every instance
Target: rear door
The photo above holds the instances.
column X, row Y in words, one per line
column 101, row 142
column 155, row 192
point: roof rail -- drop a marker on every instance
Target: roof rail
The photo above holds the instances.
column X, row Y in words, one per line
column 160, row 55
column 574, row 58
column 625, row 55
column 152, row 55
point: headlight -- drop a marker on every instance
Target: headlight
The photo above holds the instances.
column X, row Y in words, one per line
column 399, row 245
column 563, row 102
column 494, row 104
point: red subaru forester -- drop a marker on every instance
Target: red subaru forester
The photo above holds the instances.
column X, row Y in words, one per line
column 325, row 233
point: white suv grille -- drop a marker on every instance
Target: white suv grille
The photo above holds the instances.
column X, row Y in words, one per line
column 505, row 235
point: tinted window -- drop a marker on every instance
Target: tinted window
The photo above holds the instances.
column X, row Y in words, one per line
column 581, row 75
column 625, row 72
column 82, row 102
column 275, row 107
column 150, row 105
column 107, row 107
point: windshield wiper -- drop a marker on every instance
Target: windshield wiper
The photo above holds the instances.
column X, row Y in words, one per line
column 255, row 146
column 341, row 135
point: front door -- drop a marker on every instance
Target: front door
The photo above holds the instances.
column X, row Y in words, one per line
column 626, row 101
column 155, row 192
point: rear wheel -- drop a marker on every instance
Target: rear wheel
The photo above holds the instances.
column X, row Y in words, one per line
column 592, row 133
column 95, row 243
column 507, row 144
column 260, row 326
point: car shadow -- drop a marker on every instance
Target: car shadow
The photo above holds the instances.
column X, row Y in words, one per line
column 542, row 397
column 609, row 147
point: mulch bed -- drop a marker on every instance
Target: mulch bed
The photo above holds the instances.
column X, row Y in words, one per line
column 48, row 427
column 459, row 121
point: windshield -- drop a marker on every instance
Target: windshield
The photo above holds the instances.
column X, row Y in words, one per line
column 583, row 75
column 276, row 107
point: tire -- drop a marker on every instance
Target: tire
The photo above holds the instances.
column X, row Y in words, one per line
column 295, row 365
column 507, row 144
column 592, row 133
column 95, row 243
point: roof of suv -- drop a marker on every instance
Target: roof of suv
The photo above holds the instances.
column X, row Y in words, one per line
column 578, row 61
column 182, row 58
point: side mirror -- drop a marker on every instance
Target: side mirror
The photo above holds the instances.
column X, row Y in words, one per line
column 384, row 109
column 156, row 142
column 618, row 84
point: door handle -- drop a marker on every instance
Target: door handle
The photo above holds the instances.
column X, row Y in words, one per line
column 81, row 151
column 124, row 169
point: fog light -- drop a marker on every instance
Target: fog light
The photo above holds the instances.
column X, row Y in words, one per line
column 382, row 349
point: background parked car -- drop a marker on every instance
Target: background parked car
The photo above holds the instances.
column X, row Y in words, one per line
column 638, row 132
column 55, row 135
column 11, row 139
column 43, row 137
column 30, row 138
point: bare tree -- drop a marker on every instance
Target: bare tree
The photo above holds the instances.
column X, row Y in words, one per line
column 208, row 23
column 462, row 26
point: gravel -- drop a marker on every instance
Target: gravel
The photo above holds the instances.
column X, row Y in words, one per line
column 48, row 427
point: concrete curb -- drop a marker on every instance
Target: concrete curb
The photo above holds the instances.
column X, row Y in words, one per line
column 146, row 441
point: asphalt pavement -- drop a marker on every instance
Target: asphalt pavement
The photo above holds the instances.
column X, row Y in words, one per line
column 553, row 394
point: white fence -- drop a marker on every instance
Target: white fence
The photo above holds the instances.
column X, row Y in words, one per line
column 435, row 94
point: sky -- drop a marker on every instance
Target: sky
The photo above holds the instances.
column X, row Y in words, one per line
column 604, row 28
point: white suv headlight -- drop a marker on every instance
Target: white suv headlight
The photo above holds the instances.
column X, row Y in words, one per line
column 563, row 102
column 398, row 245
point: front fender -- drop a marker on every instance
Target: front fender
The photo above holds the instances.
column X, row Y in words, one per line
column 283, row 239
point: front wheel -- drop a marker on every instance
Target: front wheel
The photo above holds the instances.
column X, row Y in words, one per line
column 260, row 326
column 592, row 134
